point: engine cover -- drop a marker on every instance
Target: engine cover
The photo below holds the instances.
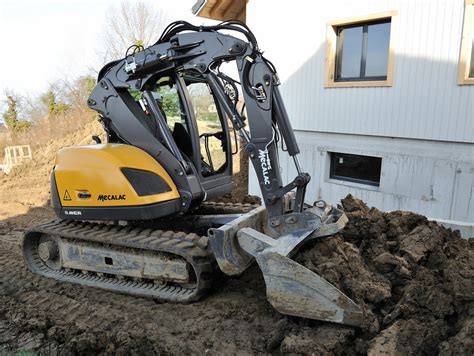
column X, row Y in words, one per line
column 111, row 182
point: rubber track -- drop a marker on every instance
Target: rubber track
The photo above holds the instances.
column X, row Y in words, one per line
column 190, row 247
column 211, row 207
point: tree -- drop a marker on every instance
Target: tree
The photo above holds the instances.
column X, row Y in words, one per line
column 129, row 24
column 54, row 107
column 170, row 103
column 10, row 116
column 22, row 125
column 78, row 91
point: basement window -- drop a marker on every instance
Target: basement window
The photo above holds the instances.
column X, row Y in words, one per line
column 355, row 168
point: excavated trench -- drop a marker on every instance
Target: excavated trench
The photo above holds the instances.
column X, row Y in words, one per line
column 413, row 278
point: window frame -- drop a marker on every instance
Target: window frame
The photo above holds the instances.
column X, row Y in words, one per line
column 332, row 29
column 363, row 182
column 467, row 45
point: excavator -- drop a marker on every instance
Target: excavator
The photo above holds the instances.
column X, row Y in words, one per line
column 138, row 214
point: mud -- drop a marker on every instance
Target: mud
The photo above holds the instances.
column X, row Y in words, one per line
column 413, row 278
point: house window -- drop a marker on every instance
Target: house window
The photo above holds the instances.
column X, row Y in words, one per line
column 355, row 168
column 471, row 71
column 466, row 58
column 359, row 52
column 362, row 51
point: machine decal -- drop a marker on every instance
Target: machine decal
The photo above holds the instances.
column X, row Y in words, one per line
column 266, row 165
column 72, row 212
column 104, row 197
column 67, row 196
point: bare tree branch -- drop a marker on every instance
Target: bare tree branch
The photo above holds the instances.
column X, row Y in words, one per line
column 129, row 24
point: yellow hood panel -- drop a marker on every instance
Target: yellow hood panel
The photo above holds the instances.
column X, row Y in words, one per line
column 91, row 176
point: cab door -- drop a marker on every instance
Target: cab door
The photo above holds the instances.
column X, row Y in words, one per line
column 200, row 130
column 212, row 136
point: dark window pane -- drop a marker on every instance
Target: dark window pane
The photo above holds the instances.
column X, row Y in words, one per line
column 356, row 168
column 378, row 44
column 363, row 51
column 350, row 52
column 471, row 71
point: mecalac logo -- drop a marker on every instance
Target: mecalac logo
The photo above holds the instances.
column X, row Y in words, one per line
column 104, row 197
column 265, row 164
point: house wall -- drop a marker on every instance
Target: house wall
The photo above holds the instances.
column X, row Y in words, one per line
column 432, row 178
column 425, row 101
column 422, row 126
column 435, row 178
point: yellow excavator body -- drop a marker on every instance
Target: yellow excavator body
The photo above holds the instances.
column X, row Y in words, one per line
column 110, row 175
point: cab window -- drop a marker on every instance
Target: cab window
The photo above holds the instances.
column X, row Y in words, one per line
column 212, row 136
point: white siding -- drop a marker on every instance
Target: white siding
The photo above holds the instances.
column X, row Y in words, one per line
column 424, row 102
column 432, row 178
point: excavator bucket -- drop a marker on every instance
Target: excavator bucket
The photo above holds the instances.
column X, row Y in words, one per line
column 291, row 288
column 294, row 290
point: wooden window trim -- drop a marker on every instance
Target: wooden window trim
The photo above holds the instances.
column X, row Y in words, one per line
column 466, row 45
column 331, row 42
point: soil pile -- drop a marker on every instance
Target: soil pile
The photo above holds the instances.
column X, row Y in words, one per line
column 413, row 278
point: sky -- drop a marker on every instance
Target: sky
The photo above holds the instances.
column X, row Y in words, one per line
column 42, row 41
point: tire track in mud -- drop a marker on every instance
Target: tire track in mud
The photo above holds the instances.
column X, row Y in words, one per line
column 59, row 305
column 43, row 315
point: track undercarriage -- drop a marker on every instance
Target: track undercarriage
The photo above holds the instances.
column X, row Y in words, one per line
column 179, row 266
column 173, row 265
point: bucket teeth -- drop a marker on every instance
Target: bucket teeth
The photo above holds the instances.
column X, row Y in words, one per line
column 295, row 290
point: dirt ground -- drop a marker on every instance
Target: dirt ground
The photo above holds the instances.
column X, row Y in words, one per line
column 413, row 278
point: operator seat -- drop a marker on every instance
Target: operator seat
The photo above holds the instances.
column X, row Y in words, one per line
column 182, row 139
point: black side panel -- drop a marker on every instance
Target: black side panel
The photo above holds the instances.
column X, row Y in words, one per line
column 145, row 182
column 144, row 212
column 55, row 201
column 220, row 186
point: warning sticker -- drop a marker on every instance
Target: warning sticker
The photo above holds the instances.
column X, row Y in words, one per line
column 67, row 196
